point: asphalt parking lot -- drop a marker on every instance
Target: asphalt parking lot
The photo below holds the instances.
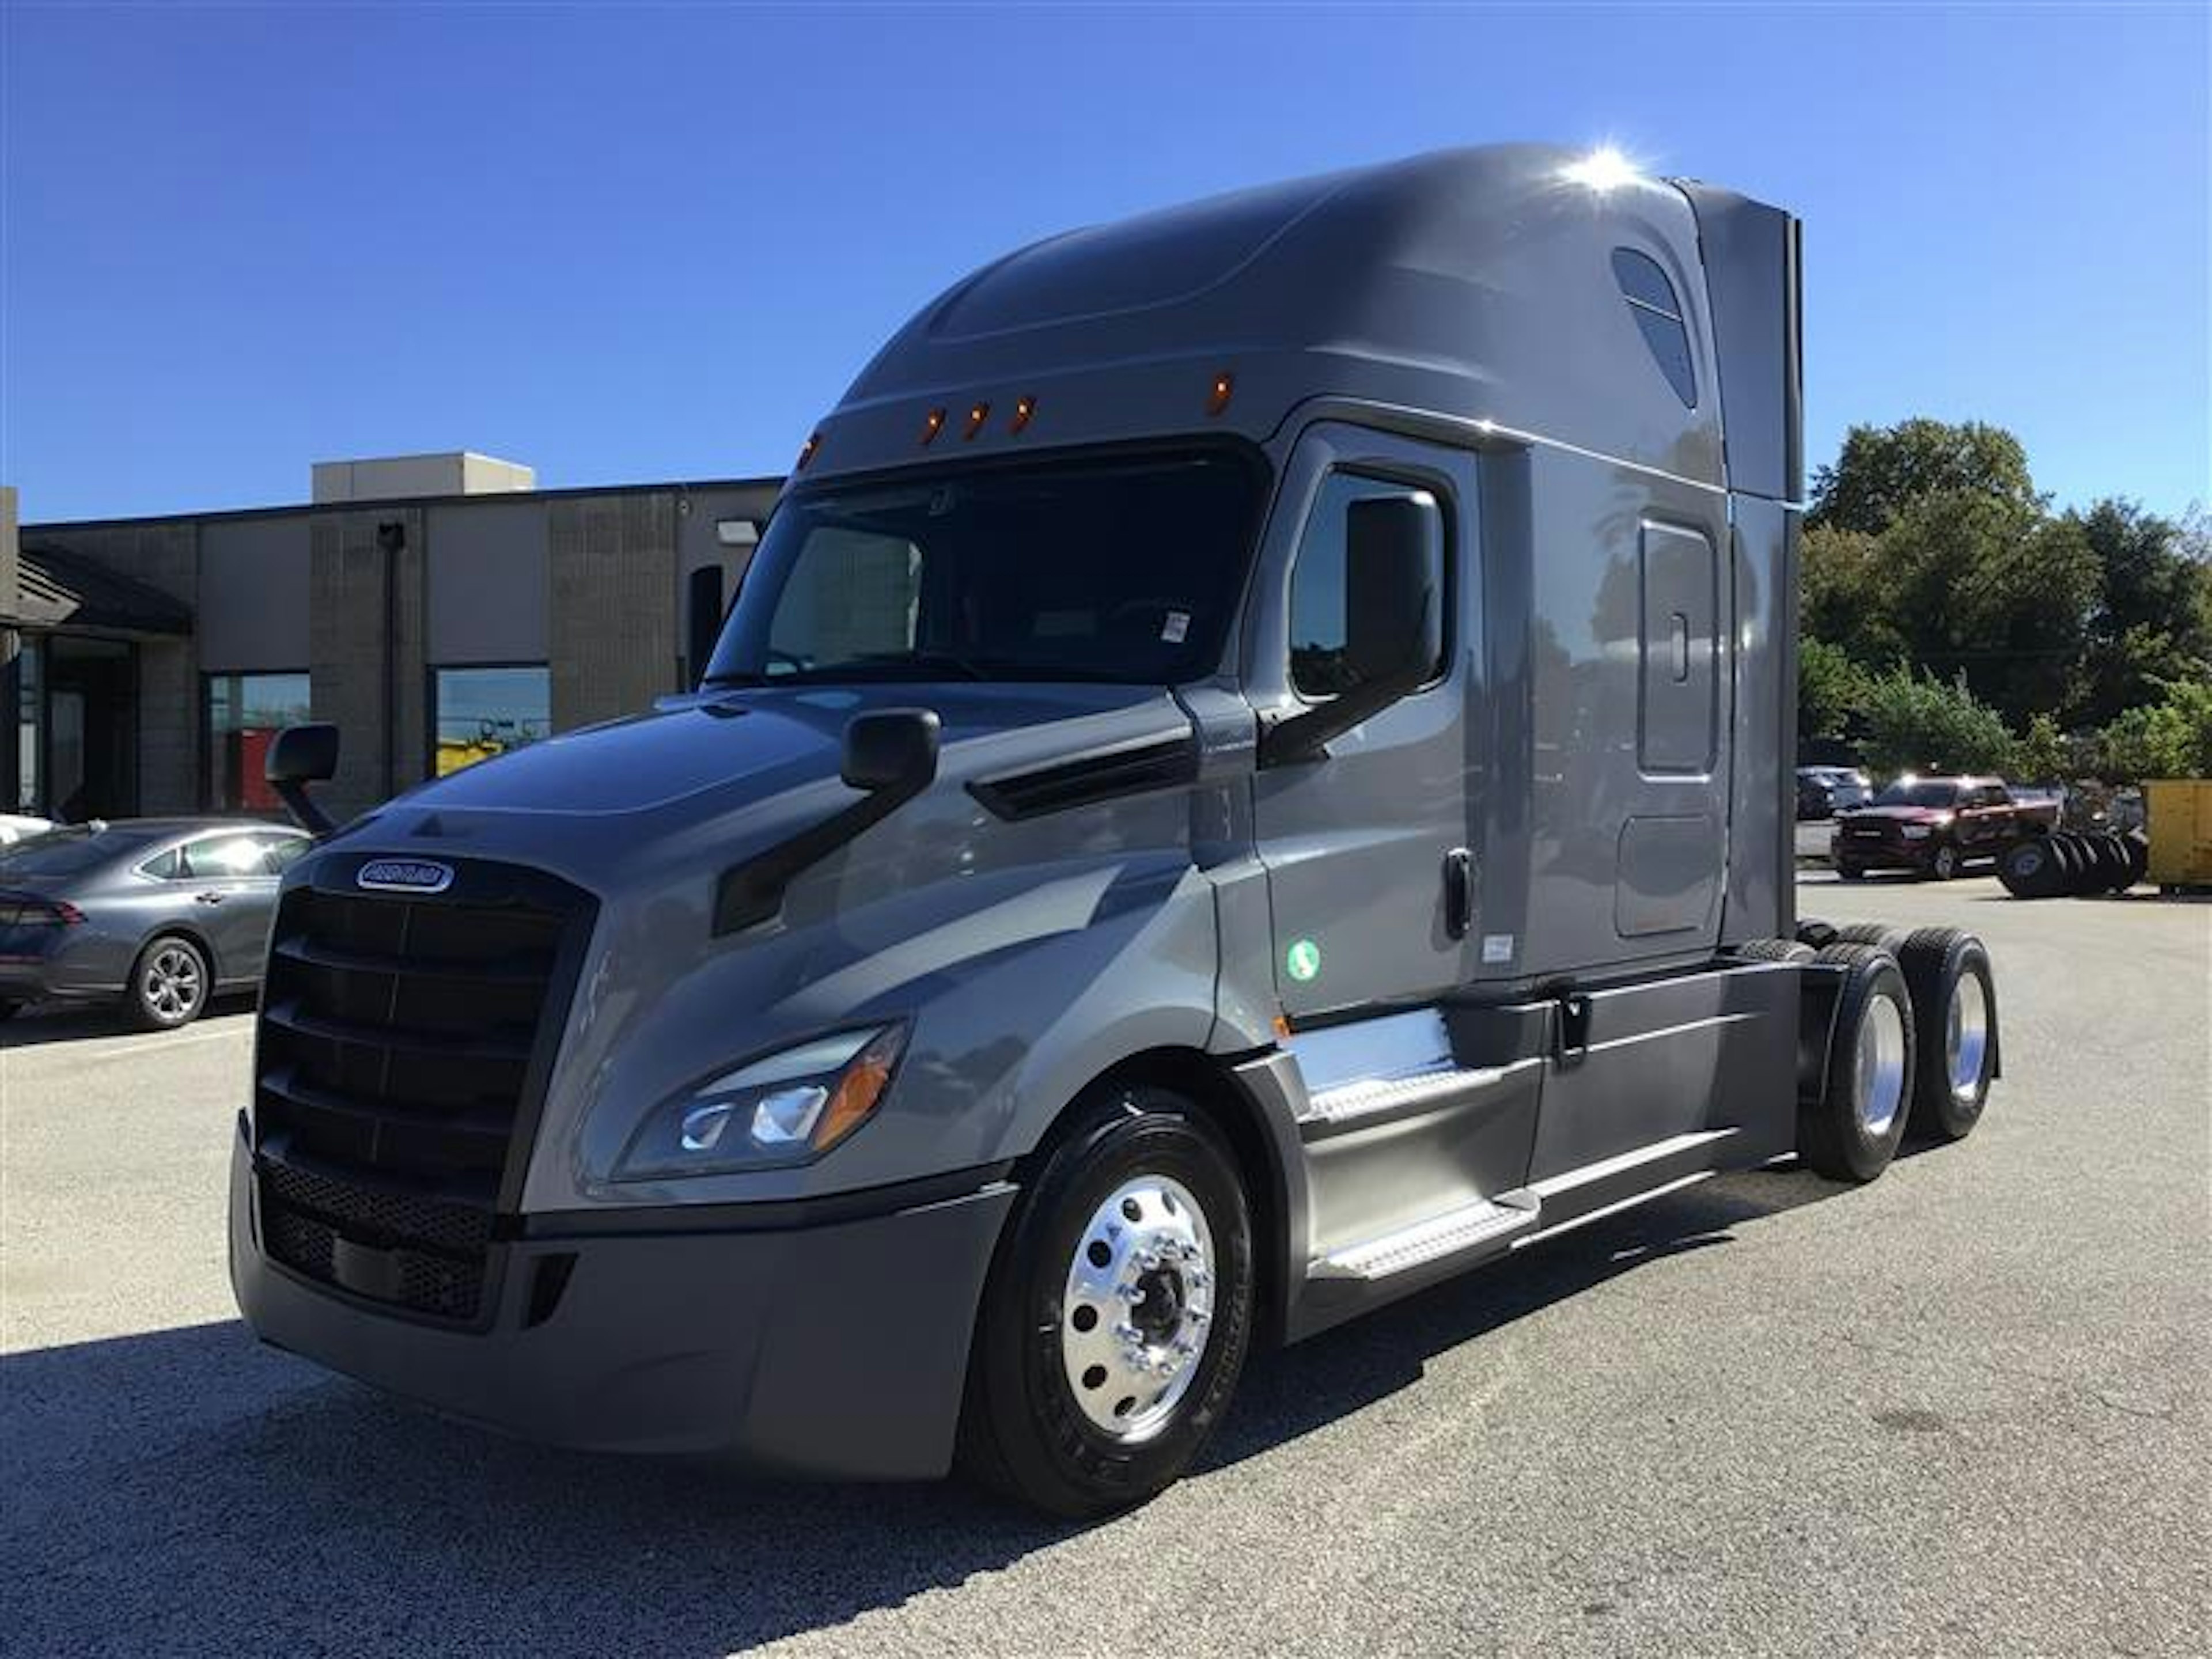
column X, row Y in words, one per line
column 1963, row 1410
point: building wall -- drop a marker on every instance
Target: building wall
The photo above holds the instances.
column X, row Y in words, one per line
column 593, row 585
column 614, row 636
column 367, row 566
column 164, row 554
column 253, row 606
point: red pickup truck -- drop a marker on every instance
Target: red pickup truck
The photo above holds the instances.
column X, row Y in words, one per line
column 1935, row 826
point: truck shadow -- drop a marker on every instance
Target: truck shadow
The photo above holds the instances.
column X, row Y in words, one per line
column 189, row 1492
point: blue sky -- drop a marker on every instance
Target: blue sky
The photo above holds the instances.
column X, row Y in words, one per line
column 628, row 244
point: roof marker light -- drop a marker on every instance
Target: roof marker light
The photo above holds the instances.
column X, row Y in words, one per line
column 932, row 427
column 1225, row 386
column 807, row 451
column 976, row 416
column 1024, row 408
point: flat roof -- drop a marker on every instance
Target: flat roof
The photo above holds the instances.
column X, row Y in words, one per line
column 495, row 498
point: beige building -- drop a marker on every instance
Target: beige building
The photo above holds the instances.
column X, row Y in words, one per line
column 438, row 608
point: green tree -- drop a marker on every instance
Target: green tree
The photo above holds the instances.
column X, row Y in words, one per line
column 2043, row 754
column 1829, row 685
column 1884, row 469
column 1986, row 588
column 2171, row 739
column 2153, row 624
column 1916, row 723
column 1846, row 595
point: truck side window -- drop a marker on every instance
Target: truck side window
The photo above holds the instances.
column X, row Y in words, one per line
column 858, row 596
column 1318, row 668
column 1658, row 313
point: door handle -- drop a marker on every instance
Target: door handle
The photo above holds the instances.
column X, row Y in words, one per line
column 1459, row 892
column 208, row 898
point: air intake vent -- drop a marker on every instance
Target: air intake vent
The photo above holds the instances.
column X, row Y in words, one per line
column 1089, row 778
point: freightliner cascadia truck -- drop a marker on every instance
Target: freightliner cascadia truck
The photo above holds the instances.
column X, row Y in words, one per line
column 1251, row 771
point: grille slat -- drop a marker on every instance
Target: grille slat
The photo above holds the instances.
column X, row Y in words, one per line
column 400, row 1049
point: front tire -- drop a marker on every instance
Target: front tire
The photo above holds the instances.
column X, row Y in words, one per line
column 1119, row 1308
column 1943, row 863
column 169, row 985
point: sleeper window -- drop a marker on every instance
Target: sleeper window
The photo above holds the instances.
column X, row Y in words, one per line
column 1319, row 665
column 1658, row 313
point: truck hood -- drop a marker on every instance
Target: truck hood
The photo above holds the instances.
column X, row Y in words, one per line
column 723, row 749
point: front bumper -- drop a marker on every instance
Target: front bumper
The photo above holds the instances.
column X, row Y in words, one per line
column 1883, row 854
column 837, row 1349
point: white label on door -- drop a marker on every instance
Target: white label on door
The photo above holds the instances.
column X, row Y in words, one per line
column 1497, row 947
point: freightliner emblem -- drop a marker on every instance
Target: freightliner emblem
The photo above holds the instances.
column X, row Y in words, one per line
column 404, row 876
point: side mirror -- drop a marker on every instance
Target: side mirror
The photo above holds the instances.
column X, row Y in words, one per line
column 890, row 754
column 892, row 749
column 300, row 755
column 1393, row 620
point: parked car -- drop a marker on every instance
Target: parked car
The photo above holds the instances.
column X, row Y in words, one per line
column 1935, row 826
column 160, row 913
column 16, row 826
column 1824, row 791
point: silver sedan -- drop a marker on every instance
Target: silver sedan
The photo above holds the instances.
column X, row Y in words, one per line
column 158, row 914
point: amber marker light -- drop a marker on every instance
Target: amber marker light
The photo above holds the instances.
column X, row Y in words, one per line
column 860, row 1090
column 1024, row 408
column 807, row 451
column 932, row 427
column 1224, row 386
column 976, row 416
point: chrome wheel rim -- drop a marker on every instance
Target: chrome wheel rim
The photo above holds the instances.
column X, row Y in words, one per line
column 173, row 982
column 1967, row 1037
column 1138, row 1307
column 1880, row 1067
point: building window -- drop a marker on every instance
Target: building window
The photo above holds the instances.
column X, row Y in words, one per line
column 245, row 713
column 1658, row 313
column 30, row 721
column 1320, row 579
column 484, row 712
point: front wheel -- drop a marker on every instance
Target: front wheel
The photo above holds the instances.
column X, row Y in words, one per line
column 169, row 985
column 1944, row 863
column 1115, row 1321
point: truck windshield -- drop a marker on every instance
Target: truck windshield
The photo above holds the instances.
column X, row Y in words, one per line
column 1917, row 794
column 1125, row 570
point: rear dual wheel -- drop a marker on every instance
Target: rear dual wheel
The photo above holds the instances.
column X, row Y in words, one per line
column 1850, row 1129
column 1118, row 1310
column 1955, row 1010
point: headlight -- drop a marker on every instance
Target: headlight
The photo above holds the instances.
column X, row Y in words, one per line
column 785, row 1108
column 1916, row 832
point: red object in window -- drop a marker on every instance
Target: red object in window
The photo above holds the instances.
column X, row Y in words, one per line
column 254, row 794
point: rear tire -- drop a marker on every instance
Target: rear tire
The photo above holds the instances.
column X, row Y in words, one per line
column 1135, row 1205
column 8, row 1010
column 1954, row 1012
column 1851, row 1130
column 169, row 985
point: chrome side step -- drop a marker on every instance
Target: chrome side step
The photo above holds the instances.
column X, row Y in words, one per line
column 1374, row 1096
column 1479, row 1222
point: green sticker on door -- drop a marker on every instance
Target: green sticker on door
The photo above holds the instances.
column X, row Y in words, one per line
column 1302, row 960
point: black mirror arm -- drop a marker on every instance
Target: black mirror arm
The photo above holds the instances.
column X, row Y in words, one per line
column 1305, row 735
column 302, row 805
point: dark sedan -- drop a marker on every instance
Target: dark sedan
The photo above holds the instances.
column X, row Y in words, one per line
column 160, row 914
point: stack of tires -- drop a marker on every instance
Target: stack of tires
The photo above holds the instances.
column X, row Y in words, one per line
column 2073, row 864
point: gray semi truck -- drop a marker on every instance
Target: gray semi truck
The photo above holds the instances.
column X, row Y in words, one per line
column 1250, row 771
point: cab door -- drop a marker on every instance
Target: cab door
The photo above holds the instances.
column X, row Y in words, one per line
column 1368, row 845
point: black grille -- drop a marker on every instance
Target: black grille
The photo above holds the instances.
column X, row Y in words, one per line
column 402, row 1050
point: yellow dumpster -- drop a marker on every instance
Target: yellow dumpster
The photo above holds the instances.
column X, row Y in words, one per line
column 2179, row 811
